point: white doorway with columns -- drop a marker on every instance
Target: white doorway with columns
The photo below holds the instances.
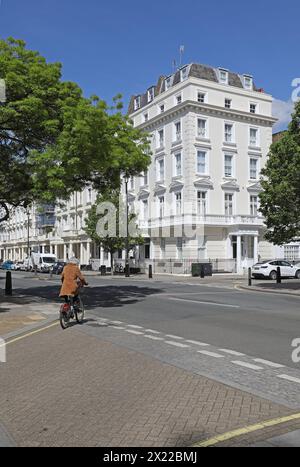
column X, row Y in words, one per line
column 244, row 247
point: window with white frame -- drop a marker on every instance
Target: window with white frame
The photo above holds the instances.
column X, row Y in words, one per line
column 201, row 97
column 229, row 136
column 184, row 73
column 254, row 137
column 162, row 108
column 254, row 205
column 161, row 139
column 145, row 178
column 150, row 94
column 228, row 103
column 89, row 195
column 253, row 108
column 202, row 162
column 131, row 183
column 179, row 248
column 145, row 209
column 228, row 165
column 146, row 117
column 201, row 203
column 223, row 76
column 228, row 204
column 253, row 168
column 202, row 128
column 292, row 252
column 168, row 82
column 178, row 99
column 160, row 170
column 248, row 82
column 161, row 207
column 178, row 165
column 162, row 248
column 137, row 102
column 177, row 131
column 178, row 203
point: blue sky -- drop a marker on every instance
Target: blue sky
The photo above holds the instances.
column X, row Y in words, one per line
column 122, row 46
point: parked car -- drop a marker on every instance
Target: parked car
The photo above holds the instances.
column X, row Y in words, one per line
column 18, row 265
column 58, row 267
column 8, row 265
column 268, row 269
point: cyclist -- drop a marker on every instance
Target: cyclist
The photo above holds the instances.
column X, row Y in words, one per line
column 72, row 280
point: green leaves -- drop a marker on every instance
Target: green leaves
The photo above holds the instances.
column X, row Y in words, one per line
column 280, row 200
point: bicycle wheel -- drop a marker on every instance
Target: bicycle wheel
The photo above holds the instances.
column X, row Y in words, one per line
column 64, row 317
column 79, row 311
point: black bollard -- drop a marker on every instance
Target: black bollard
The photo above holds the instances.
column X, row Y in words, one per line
column 150, row 272
column 250, row 277
column 8, row 284
column 278, row 275
column 202, row 272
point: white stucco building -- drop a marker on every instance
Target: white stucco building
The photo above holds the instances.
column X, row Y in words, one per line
column 211, row 132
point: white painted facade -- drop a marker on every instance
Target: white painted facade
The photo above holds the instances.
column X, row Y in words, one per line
column 210, row 156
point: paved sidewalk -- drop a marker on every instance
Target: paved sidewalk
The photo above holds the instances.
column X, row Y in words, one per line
column 69, row 389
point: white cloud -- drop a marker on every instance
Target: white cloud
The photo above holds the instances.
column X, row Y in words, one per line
column 283, row 112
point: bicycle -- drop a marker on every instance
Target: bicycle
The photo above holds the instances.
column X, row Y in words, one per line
column 72, row 310
column 119, row 269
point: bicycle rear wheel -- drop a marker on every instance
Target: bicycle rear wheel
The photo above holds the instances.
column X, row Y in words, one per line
column 79, row 311
column 64, row 318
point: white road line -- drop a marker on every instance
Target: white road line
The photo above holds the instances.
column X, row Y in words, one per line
column 154, row 338
column 175, row 337
column 177, row 344
column 201, row 344
column 116, row 322
column 210, row 354
column 248, row 365
column 136, row 333
column 224, row 305
column 118, row 327
column 289, row 378
column 232, row 352
column 134, row 327
column 266, row 362
column 152, row 332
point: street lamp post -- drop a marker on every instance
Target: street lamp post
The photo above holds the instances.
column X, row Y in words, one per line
column 127, row 267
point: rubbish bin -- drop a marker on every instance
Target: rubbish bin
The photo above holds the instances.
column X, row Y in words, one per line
column 201, row 269
column 103, row 270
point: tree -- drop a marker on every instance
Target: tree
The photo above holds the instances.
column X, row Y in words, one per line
column 111, row 244
column 53, row 141
column 280, row 200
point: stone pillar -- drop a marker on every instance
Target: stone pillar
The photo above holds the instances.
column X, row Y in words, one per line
column 81, row 256
column 65, row 252
column 88, row 252
column 239, row 254
column 255, row 249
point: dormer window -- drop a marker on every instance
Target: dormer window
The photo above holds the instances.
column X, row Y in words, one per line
column 184, row 73
column 137, row 102
column 150, row 94
column 168, row 82
column 248, row 82
column 223, row 76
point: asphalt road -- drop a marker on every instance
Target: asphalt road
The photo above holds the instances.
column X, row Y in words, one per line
column 251, row 329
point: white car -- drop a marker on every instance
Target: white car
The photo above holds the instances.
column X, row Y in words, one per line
column 268, row 269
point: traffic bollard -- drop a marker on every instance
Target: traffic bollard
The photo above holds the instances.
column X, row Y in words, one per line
column 8, row 284
column 249, row 277
column 278, row 275
column 150, row 272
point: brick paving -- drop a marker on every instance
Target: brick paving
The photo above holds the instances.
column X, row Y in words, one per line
column 70, row 389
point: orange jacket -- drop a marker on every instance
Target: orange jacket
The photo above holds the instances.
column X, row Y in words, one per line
column 70, row 277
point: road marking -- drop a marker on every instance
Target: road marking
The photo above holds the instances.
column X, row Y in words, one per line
column 31, row 333
column 134, row 327
column 136, row 333
column 175, row 337
column 154, row 338
column 248, row 365
column 289, row 378
column 232, row 352
column 201, row 344
column 177, row 344
column 116, row 322
column 224, row 305
column 152, row 332
column 210, row 354
column 245, row 431
column 266, row 362
column 119, row 328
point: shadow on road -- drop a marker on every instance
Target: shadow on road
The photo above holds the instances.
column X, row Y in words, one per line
column 295, row 286
column 95, row 297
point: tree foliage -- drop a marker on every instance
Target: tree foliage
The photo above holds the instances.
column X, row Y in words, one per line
column 53, row 141
column 280, row 200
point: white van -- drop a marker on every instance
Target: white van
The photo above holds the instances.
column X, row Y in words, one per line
column 43, row 261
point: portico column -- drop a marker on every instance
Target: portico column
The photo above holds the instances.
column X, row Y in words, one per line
column 81, row 254
column 239, row 254
column 65, row 252
column 255, row 249
column 88, row 252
